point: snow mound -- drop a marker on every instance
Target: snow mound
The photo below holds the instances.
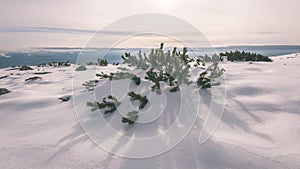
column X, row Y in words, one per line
column 259, row 129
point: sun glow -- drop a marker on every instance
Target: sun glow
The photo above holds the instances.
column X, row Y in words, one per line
column 167, row 2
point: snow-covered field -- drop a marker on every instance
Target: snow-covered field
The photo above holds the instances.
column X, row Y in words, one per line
column 260, row 127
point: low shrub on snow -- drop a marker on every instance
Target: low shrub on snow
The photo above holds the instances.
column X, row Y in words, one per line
column 245, row 56
column 173, row 68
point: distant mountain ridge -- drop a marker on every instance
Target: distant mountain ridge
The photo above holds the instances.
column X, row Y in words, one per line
column 34, row 56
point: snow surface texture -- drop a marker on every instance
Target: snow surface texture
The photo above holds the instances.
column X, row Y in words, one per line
column 259, row 129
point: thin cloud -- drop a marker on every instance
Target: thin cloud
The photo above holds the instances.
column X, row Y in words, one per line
column 58, row 30
column 268, row 33
column 76, row 31
column 45, row 29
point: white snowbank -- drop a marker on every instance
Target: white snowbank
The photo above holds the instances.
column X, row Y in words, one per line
column 4, row 55
column 259, row 129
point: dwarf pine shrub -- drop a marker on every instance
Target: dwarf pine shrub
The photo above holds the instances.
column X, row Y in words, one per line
column 109, row 105
column 102, row 62
column 245, row 56
column 172, row 68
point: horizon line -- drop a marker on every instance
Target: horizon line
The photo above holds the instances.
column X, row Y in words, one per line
column 121, row 48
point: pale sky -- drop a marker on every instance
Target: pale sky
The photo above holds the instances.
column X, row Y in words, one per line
column 70, row 23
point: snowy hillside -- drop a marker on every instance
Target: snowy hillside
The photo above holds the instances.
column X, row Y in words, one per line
column 259, row 129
